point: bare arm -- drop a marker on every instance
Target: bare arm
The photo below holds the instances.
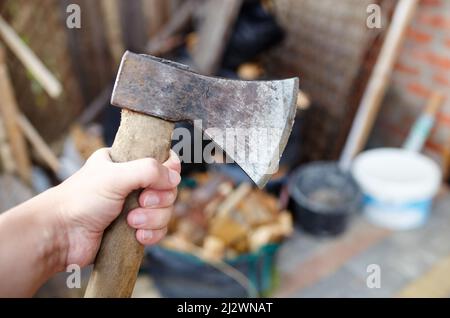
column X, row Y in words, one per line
column 65, row 224
column 32, row 248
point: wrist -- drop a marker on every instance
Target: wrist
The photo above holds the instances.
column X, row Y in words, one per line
column 54, row 249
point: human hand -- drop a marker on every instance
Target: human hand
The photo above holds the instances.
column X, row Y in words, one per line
column 93, row 197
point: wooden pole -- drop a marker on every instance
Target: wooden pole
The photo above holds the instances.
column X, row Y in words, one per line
column 214, row 34
column 38, row 143
column 111, row 12
column 376, row 88
column 49, row 82
column 9, row 112
column 5, row 151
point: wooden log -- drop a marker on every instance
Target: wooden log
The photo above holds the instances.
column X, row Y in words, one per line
column 233, row 199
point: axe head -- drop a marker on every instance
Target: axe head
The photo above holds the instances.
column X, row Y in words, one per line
column 250, row 120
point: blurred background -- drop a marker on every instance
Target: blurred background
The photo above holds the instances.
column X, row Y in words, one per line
column 359, row 206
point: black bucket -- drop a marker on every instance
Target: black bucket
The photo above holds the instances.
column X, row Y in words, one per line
column 323, row 197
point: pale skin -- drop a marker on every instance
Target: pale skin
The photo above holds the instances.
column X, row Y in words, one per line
column 65, row 224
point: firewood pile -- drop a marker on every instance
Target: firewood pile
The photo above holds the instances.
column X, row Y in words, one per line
column 216, row 220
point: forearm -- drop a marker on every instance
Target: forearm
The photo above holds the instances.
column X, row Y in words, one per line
column 31, row 246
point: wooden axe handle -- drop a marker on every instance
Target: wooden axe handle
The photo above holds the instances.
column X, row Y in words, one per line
column 120, row 255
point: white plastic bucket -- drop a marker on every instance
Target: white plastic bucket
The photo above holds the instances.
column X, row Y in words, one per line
column 398, row 186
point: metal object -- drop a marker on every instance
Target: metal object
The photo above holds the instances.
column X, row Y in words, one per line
column 148, row 85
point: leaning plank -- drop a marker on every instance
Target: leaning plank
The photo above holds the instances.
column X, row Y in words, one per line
column 111, row 12
column 6, row 158
column 379, row 79
column 38, row 143
column 9, row 112
column 214, row 34
column 30, row 60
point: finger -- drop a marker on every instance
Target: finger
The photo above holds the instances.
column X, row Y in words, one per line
column 144, row 173
column 173, row 162
column 150, row 198
column 149, row 219
column 149, row 237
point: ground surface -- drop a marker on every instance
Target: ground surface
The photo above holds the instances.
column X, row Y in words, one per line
column 412, row 263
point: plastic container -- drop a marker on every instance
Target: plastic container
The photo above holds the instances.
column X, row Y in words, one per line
column 182, row 275
column 398, row 186
column 323, row 198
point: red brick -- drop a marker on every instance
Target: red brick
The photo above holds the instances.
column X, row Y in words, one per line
column 435, row 20
column 439, row 61
column 442, row 79
column 431, row 2
column 430, row 145
column 406, row 69
column 434, row 147
column 418, row 36
column 419, row 90
column 443, row 119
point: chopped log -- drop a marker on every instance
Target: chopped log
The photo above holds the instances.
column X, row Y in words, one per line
column 213, row 249
column 233, row 199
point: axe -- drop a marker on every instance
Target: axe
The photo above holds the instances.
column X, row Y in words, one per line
column 154, row 94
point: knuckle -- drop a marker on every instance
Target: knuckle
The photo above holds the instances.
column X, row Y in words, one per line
column 152, row 168
column 162, row 233
column 171, row 196
column 163, row 218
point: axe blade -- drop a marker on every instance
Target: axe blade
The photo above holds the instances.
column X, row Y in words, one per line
column 250, row 120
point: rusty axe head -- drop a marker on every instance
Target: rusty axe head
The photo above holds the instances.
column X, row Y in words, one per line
column 250, row 120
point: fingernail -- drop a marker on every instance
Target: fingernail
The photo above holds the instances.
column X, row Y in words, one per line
column 174, row 177
column 151, row 200
column 139, row 219
column 147, row 235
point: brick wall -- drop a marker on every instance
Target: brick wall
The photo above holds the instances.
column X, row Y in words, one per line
column 423, row 66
